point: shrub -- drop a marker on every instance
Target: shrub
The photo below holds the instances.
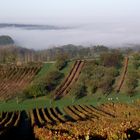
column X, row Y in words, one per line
column 80, row 90
column 106, row 84
column 113, row 59
column 136, row 59
column 131, row 82
column 35, row 90
column 61, row 61
column 52, row 80
column 45, row 85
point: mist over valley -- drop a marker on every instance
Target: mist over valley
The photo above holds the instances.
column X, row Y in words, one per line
column 42, row 36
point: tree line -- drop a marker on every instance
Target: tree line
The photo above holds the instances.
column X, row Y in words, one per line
column 16, row 54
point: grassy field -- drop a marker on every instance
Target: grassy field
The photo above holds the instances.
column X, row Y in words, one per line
column 47, row 67
column 45, row 101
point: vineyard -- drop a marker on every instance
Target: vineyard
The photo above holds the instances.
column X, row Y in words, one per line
column 112, row 117
column 76, row 122
column 14, row 79
column 8, row 121
column 72, row 77
column 88, row 122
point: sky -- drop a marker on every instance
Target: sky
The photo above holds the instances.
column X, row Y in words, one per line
column 68, row 11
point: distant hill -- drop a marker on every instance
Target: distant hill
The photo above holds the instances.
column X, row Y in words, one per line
column 32, row 26
column 136, row 47
column 132, row 46
column 6, row 40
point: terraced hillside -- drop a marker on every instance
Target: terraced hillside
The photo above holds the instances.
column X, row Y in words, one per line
column 14, row 79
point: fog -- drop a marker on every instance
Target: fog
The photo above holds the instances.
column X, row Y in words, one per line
column 92, row 22
column 113, row 34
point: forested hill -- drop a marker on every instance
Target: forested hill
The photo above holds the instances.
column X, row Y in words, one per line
column 6, row 40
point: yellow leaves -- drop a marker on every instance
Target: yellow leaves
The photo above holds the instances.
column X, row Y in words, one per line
column 128, row 135
column 87, row 137
column 104, row 127
column 114, row 137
